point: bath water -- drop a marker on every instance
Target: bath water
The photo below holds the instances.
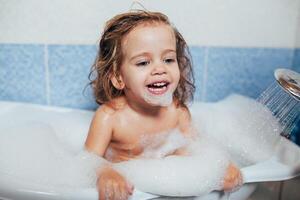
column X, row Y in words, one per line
column 236, row 129
column 284, row 107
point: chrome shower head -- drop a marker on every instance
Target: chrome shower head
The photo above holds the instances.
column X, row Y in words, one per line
column 289, row 80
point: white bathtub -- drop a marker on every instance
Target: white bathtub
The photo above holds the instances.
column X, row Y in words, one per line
column 285, row 163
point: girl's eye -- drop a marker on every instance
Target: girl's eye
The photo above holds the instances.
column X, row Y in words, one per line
column 169, row 60
column 143, row 63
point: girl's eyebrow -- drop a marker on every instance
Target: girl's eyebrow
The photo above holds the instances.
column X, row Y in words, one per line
column 168, row 51
column 147, row 54
column 140, row 54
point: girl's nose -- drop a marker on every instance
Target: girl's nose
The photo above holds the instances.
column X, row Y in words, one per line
column 159, row 69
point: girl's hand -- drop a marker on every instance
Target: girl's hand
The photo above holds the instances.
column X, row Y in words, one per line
column 113, row 186
column 233, row 178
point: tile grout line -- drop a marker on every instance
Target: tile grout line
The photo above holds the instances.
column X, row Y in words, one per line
column 203, row 92
column 47, row 76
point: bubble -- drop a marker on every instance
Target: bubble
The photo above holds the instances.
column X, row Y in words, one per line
column 237, row 129
column 199, row 173
column 162, row 144
column 243, row 127
column 47, row 148
column 165, row 99
column 31, row 150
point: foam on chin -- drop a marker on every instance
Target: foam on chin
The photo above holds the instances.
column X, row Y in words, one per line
column 165, row 99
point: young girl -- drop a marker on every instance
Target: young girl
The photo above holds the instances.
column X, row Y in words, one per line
column 143, row 79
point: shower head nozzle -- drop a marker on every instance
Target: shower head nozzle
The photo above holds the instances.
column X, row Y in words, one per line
column 289, row 80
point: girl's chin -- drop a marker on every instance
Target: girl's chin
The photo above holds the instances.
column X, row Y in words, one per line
column 158, row 99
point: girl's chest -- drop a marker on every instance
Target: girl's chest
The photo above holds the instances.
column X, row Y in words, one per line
column 131, row 139
column 134, row 130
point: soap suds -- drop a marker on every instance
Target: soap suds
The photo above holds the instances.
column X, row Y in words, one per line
column 47, row 148
column 160, row 100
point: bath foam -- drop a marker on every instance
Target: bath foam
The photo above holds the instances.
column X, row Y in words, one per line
column 193, row 175
column 159, row 100
column 243, row 127
column 162, row 144
column 35, row 150
column 41, row 158
column 61, row 122
column 238, row 125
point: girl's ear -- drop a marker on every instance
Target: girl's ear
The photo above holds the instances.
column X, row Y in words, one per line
column 117, row 82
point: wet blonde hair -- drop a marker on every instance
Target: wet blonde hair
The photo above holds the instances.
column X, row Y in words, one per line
column 109, row 57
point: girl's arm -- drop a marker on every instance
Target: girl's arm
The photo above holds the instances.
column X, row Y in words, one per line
column 111, row 184
column 100, row 132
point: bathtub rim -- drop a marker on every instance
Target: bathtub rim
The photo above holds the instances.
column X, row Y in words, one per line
column 45, row 190
column 11, row 188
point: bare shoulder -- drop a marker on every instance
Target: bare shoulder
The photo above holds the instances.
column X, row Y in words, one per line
column 101, row 129
column 184, row 119
column 105, row 110
column 184, row 113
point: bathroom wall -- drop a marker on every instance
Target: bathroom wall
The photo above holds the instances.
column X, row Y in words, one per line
column 296, row 61
column 47, row 47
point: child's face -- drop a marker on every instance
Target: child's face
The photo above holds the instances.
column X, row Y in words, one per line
column 149, row 70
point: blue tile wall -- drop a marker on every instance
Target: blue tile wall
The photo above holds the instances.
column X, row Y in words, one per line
column 22, row 73
column 58, row 74
column 69, row 67
column 198, row 59
column 296, row 60
column 218, row 72
column 245, row 71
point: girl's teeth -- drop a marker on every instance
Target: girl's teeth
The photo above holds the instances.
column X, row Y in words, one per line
column 157, row 89
column 159, row 84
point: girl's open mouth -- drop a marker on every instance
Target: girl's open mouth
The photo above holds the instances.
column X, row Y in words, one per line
column 158, row 88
